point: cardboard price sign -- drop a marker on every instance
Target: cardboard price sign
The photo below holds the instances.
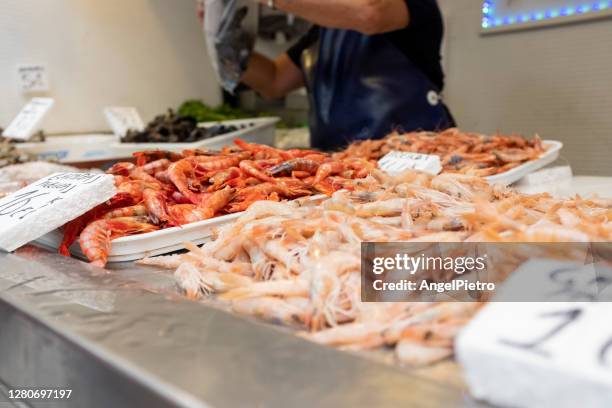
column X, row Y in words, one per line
column 29, row 119
column 48, row 204
column 397, row 162
column 121, row 119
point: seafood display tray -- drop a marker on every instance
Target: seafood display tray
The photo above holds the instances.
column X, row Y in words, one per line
column 134, row 247
column 517, row 173
column 140, row 246
column 263, row 131
column 105, row 147
column 74, row 148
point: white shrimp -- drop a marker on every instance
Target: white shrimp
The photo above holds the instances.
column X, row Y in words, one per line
column 373, row 232
column 387, row 208
column 272, row 309
column 348, row 234
column 201, row 257
column 195, row 281
column 437, row 197
column 261, row 264
column 568, row 219
column 406, row 221
column 339, row 202
column 456, row 185
column 324, row 277
column 427, row 313
column 418, row 355
column 348, row 334
column 166, row 261
column 265, row 209
column 275, row 249
column 344, row 299
column 391, row 221
column 554, row 234
column 287, row 288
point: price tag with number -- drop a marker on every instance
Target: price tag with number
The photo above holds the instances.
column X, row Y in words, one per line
column 396, row 162
column 543, row 354
column 48, row 204
column 29, row 119
column 123, row 118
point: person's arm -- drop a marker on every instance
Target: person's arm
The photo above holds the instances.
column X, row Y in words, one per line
column 272, row 79
column 366, row 16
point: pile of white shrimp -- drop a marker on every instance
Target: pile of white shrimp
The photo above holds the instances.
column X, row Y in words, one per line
column 300, row 265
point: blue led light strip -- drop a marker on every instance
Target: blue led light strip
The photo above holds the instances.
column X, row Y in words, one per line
column 490, row 20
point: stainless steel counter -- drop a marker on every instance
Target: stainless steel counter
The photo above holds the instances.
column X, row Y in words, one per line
column 125, row 338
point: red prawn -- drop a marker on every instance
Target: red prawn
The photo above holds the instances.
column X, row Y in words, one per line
column 156, row 203
column 221, row 163
column 327, row 169
column 251, row 169
column 303, row 165
column 95, row 240
column 73, row 228
column 148, row 156
column 156, row 166
column 268, row 151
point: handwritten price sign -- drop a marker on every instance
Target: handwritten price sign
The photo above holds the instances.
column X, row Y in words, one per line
column 397, row 162
column 544, row 354
column 29, row 119
column 121, row 119
column 48, row 204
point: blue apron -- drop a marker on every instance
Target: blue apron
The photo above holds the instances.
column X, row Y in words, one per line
column 364, row 87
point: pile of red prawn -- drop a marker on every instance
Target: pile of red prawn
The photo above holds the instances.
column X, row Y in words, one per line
column 166, row 189
column 460, row 152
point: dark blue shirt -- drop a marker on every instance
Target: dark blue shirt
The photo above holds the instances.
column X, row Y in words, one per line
column 420, row 41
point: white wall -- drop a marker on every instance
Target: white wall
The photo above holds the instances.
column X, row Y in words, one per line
column 150, row 54
column 555, row 81
column 145, row 53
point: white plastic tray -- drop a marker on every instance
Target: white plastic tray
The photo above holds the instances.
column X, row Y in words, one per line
column 160, row 242
column 74, row 148
column 140, row 246
column 99, row 147
column 552, row 153
column 263, row 131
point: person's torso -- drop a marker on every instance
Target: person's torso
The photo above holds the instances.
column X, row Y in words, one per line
column 364, row 86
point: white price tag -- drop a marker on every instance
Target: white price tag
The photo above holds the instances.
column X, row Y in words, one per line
column 123, row 118
column 396, row 162
column 48, row 204
column 29, row 119
column 547, row 176
column 543, row 354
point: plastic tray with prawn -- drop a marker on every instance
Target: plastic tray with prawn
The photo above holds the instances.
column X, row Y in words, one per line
column 165, row 241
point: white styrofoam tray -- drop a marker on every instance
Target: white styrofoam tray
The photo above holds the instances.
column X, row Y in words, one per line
column 160, row 242
column 263, row 131
column 99, row 147
column 553, row 150
column 73, row 148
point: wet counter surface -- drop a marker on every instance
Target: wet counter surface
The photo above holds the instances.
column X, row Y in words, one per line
column 126, row 338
